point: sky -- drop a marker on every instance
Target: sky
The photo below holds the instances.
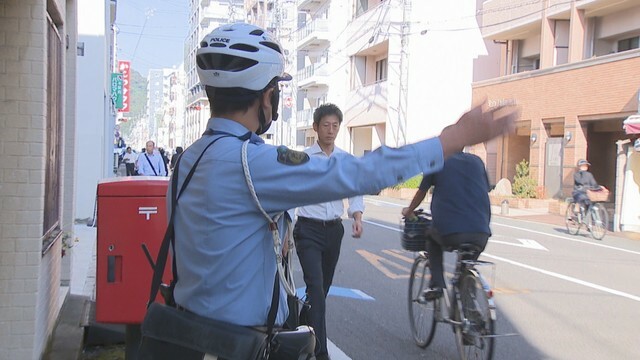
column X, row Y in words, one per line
column 152, row 33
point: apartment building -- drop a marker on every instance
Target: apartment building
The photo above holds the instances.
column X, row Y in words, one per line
column 37, row 165
column 400, row 70
column 166, row 108
column 205, row 16
column 574, row 68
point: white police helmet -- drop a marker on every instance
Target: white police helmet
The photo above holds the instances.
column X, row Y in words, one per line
column 240, row 55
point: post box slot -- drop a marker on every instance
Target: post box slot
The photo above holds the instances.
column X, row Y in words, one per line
column 114, row 268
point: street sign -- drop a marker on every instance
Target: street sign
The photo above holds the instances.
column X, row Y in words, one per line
column 124, row 67
column 116, row 90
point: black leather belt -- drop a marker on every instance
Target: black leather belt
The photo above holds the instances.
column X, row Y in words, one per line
column 324, row 223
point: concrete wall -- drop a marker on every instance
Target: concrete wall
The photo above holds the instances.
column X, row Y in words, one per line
column 94, row 133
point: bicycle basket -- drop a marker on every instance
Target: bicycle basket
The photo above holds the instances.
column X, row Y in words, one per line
column 414, row 233
column 598, row 195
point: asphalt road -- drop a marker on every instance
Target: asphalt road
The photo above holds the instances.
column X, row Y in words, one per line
column 565, row 296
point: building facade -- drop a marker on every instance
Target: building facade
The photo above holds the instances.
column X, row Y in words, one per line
column 37, row 165
column 573, row 67
column 205, row 16
column 394, row 67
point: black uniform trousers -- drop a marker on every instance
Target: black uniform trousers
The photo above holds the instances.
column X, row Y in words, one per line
column 318, row 247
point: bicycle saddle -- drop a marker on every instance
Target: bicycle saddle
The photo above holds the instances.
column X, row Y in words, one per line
column 465, row 248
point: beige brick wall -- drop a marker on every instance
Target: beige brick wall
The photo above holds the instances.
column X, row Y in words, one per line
column 29, row 281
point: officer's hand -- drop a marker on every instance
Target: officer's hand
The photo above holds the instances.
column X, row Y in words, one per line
column 478, row 125
column 357, row 229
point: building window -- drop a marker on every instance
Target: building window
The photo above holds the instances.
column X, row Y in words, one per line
column 628, row 44
column 381, row 69
column 361, row 7
column 51, row 220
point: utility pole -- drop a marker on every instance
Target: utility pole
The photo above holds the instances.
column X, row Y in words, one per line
column 405, row 30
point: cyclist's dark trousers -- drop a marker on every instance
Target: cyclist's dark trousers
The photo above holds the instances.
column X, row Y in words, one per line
column 130, row 168
column 580, row 197
column 437, row 243
column 318, row 248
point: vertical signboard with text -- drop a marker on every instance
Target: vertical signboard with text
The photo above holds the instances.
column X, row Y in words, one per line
column 124, row 68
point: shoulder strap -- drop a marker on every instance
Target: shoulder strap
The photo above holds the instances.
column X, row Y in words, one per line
column 152, row 168
column 169, row 235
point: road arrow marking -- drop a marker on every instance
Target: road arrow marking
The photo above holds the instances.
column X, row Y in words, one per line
column 524, row 243
column 378, row 261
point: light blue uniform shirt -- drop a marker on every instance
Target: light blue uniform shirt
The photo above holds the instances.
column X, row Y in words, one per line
column 224, row 249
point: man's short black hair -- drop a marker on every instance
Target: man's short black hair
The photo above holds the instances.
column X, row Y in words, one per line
column 226, row 100
column 326, row 110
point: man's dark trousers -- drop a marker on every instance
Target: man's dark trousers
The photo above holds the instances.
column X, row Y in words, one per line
column 318, row 247
column 130, row 168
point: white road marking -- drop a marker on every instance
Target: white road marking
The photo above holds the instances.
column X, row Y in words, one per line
column 525, row 243
column 335, row 352
column 565, row 277
column 382, row 226
column 568, row 238
column 377, row 202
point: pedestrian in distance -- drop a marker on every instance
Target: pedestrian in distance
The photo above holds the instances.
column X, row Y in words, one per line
column 318, row 231
column 165, row 160
column 460, row 209
column 129, row 160
column 224, row 248
column 175, row 157
column 150, row 162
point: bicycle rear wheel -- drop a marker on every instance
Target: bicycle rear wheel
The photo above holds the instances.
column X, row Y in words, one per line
column 421, row 312
column 572, row 219
column 474, row 337
column 598, row 221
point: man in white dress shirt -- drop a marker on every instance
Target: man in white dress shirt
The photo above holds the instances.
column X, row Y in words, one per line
column 318, row 231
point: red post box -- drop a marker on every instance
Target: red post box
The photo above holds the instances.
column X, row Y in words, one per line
column 131, row 213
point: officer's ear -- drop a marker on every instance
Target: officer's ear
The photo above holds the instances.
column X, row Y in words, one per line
column 265, row 99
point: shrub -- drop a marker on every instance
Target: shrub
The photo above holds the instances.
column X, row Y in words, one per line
column 412, row 183
column 524, row 186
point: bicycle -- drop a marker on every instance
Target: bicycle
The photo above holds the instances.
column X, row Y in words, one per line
column 595, row 218
column 467, row 304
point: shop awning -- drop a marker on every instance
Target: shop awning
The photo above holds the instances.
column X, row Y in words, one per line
column 632, row 124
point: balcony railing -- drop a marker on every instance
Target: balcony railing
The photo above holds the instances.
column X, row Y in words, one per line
column 304, row 5
column 304, row 118
column 312, row 73
column 314, row 32
column 367, row 105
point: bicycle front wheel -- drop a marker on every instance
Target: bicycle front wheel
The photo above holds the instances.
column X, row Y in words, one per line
column 421, row 312
column 598, row 221
column 475, row 336
column 572, row 219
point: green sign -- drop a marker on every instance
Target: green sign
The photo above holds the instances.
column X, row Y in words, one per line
column 116, row 90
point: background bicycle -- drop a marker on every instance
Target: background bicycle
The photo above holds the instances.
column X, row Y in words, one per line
column 595, row 217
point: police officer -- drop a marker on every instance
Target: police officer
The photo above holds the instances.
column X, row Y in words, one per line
column 223, row 245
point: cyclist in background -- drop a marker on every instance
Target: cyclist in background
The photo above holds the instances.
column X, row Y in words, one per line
column 583, row 180
column 460, row 209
